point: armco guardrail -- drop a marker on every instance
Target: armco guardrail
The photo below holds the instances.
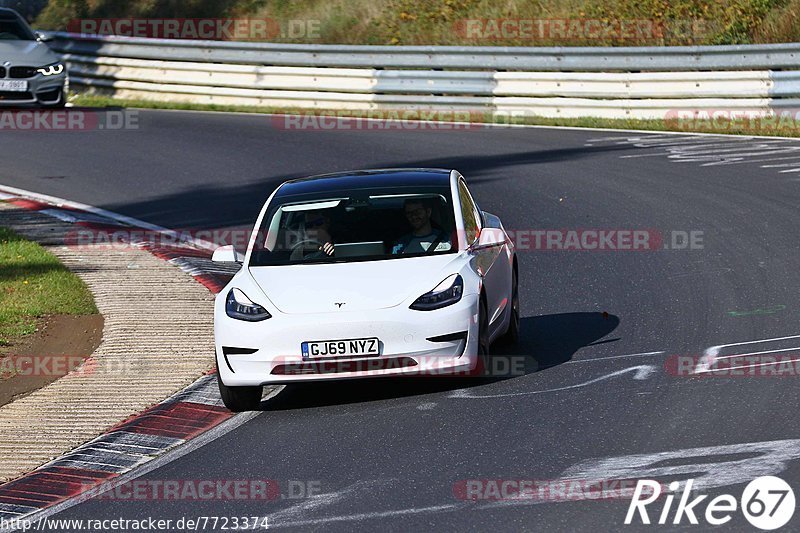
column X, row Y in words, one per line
column 647, row 82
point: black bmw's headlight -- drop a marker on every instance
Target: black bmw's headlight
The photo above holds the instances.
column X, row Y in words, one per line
column 240, row 307
column 446, row 293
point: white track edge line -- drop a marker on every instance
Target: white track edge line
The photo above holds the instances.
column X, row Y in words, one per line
column 178, row 451
column 491, row 125
column 131, row 221
column 170, row 456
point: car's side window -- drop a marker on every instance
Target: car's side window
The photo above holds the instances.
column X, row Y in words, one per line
column 469, row 213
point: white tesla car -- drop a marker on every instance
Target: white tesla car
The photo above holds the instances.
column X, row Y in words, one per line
column 362, row 274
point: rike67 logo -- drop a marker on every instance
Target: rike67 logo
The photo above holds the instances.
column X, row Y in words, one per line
column 767, row 503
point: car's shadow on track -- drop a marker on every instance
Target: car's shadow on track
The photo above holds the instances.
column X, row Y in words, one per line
column 545, row 341
column 551, row 340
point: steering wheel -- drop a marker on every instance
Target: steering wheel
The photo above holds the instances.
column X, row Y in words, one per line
column 298, row 250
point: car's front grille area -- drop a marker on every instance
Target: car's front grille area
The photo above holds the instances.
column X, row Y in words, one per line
column 21, row 72
column 12, row 95
column 2, row 72
column 339, row 367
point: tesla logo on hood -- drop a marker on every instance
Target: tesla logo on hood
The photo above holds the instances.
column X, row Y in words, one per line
column 339, row 304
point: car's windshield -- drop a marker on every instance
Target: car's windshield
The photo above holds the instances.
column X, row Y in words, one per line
column 13, row 29
column 356, row 225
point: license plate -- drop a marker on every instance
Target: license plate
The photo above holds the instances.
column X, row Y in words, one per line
column 340, row 348
column 14, row 85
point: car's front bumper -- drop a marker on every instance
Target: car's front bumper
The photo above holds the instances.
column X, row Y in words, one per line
column 403, row 333
column 42, row 90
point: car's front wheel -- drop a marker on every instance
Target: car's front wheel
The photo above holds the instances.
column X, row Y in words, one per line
column 239, row 399
column 511, row 336
column 484, row 355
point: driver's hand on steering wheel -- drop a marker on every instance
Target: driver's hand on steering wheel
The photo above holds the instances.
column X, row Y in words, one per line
column 327, row 248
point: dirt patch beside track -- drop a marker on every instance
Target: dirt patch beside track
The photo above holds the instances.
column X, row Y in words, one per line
column 61, row 342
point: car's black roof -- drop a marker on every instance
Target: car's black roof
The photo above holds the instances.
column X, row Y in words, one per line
column 8, row 14
column 364, row 179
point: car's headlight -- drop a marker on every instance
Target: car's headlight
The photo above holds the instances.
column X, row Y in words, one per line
column 51, row 70
column 446, row 293
column 240, row 307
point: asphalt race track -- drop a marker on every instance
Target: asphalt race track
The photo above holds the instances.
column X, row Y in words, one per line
column 601, row 329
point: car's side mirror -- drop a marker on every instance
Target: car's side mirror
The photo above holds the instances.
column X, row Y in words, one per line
column 490, row 237
column 227, row 254
column 42, row 37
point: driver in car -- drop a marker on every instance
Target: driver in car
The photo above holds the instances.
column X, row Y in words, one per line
column 423, row 237
column 317, row 228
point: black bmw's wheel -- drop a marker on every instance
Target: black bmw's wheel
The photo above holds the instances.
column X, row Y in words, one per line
column 239, row 399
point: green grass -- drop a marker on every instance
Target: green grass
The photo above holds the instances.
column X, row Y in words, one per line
column 790, row 130
column 437, row 22
column 92, row 100
column 34, row 284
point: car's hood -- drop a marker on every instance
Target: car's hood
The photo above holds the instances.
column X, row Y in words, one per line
column 359, row 286
column 26, row 53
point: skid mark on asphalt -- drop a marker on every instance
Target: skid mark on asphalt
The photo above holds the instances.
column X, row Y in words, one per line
column 370, row 516
column 640, row 372
column 600, row 479
column 710, row 357
column 297, row 515
column 712, row 151
column 710, row 467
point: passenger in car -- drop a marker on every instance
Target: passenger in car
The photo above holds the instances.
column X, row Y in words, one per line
column 423, row 237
